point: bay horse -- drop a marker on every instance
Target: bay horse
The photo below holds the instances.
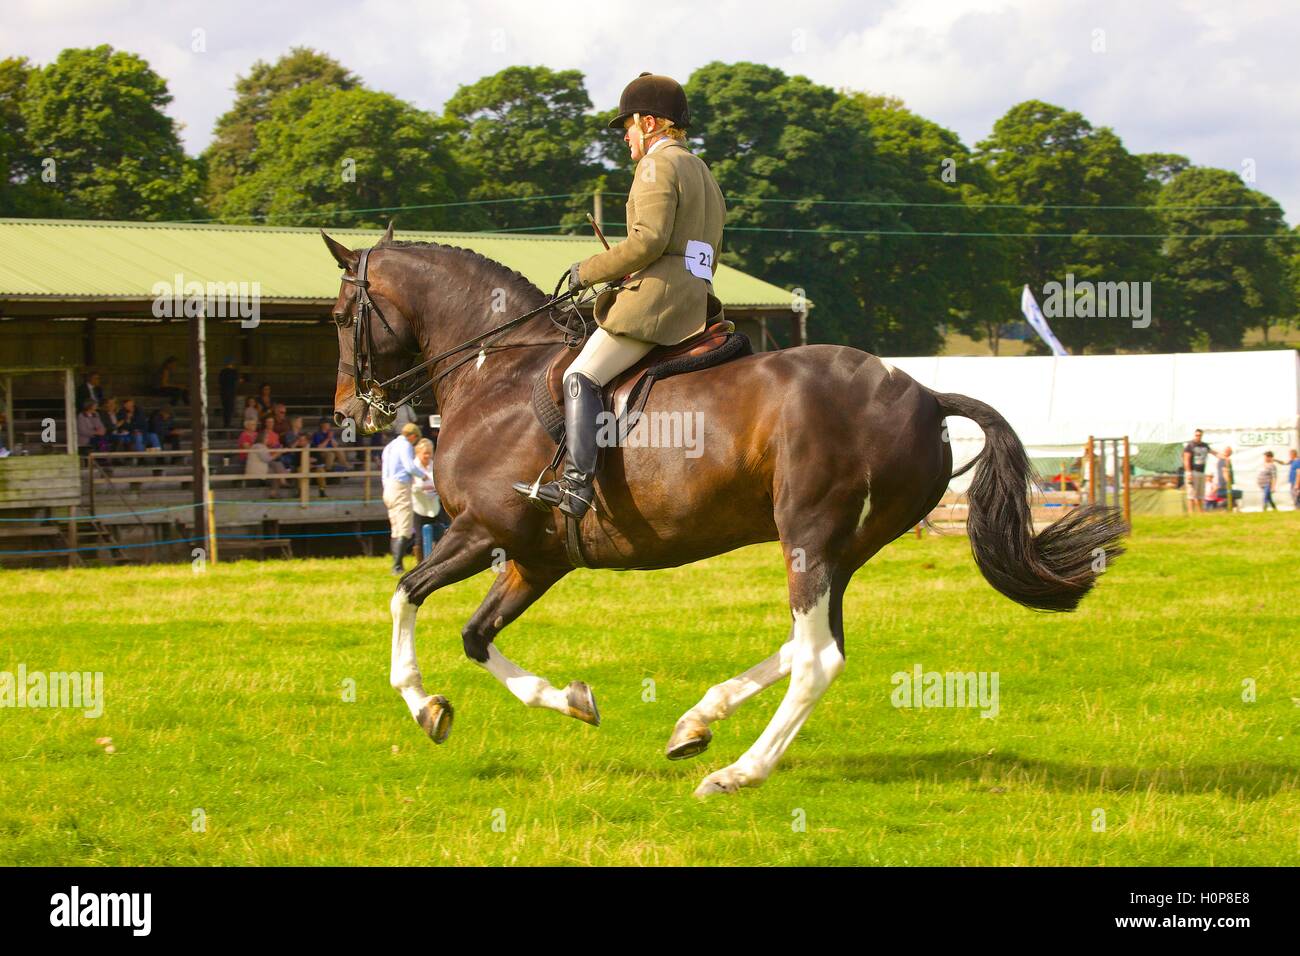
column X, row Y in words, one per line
column 825, row 448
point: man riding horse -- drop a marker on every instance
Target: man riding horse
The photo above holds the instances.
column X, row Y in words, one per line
column 675, row 214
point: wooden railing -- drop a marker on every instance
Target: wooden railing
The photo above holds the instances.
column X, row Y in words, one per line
column 303, row 474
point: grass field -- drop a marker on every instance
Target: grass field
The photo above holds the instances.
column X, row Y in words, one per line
column 224, row 693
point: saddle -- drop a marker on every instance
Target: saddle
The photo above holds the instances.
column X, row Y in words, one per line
column 628, row 392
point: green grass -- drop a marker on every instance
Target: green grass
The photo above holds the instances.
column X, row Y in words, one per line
column 224, row 692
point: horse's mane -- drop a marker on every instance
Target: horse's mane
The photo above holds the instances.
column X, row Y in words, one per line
column 517, row 279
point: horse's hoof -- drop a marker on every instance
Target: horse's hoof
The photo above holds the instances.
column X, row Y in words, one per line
column 726, row 780
column 582, row 703
column 435, row 717
column 690, row 739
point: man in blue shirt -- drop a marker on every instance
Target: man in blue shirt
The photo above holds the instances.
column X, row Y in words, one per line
column 1292, row 470
column 400, row 469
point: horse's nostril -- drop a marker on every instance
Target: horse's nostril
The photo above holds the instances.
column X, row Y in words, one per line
column 339, row 418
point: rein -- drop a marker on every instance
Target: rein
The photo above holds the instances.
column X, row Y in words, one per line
column 370, row 392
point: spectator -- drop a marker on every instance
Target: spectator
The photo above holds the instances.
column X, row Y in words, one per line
column 4, row 433
column 248, row 437
column 280, row 420
column 90, row 390
column 164, row 385
column 399, row 471
column 425, row 501
column 264, row 404
column 331, row 458
column 1195, row 454
column 119, row 437
column 163, row 427
column 262, row 462
column 252, row 409
column 295, row 438
column 1266, row 479
column 136, row 424
column 1224, row 495
column 228, row 383
column 1293, row 478
column 91, row 435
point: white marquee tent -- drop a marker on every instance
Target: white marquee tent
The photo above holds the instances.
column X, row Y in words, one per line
column 1247, row 400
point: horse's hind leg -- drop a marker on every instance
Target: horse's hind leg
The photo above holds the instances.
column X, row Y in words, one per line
column 515, row 588
column 691, row 736
column 816, row 659
column 461, row 552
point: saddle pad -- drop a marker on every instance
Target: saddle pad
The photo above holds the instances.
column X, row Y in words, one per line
column 551, row 415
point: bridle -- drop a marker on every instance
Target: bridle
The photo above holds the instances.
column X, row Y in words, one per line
column 370, row 392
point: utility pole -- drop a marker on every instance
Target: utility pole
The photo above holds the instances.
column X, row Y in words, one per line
column 596, row 212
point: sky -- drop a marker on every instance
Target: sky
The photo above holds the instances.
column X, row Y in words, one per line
column 1214, row 81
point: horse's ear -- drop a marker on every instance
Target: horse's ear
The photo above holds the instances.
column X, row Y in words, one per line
column 345, row 257
column 388, row 235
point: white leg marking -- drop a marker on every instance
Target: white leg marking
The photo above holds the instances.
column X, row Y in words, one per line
column 723, row 700
column 534, row 691
column 404, row 674
column 816, row 661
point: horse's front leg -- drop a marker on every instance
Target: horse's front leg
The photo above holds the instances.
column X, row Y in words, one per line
column 517, row 587
column 464, row 550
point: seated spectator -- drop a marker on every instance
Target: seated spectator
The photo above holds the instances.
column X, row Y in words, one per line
column 262, row 462
column 293, row 437
column 252, row 409
column 280, row 421
column 164, row 428
column 136, row 425
column 264, row 404
column 331, row 458
column 91, row 434
column 248, row 437
column 4, row 433
column 119, row 436
column 164, row 385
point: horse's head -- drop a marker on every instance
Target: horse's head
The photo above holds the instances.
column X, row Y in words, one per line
column 376, row 339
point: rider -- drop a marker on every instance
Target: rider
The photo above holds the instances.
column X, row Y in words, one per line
column 675, row 214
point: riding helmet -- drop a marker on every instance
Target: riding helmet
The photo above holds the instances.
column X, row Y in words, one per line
column 654, row 95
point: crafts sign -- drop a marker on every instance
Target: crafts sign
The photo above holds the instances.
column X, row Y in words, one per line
column 1263, row 438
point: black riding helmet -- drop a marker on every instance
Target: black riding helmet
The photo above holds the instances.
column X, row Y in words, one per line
column 653, row 95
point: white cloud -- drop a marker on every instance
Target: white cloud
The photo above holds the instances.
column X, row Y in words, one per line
column 1214, row 81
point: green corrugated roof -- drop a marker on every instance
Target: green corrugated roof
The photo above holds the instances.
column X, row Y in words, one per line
column 74, row 259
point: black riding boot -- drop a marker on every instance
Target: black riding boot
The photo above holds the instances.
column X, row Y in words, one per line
column 397, row 548
column 572, row 492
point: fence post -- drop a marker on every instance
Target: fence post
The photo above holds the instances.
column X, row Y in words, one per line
column 365, row 463
column 304, row 472
column 1128, row 509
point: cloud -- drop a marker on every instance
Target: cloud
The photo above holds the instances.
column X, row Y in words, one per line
column 1211, row 81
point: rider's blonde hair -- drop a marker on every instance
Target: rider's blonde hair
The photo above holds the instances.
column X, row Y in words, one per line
column 661, row 126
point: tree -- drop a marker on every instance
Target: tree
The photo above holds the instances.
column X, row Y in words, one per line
column 785, row 152
column 233, row 153
column 1221, row 286
column 1078, row 185
column 96, row 115
column 915, row 286
column 349, row 157
column 22, row 193
column 526, row 132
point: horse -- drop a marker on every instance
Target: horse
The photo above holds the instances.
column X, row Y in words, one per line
column 827, row 449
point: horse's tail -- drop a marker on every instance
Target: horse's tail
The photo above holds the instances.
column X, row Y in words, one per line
column 1053, row 570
